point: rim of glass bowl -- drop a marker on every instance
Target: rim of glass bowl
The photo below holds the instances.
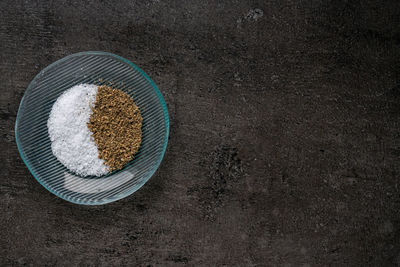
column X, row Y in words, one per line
column 166, row 119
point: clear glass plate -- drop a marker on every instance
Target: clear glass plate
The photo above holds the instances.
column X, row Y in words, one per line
column 34, row 144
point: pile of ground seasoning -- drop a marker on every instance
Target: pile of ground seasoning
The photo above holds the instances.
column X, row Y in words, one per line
column 116, row 126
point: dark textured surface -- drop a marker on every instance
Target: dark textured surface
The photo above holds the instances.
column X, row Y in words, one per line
column 284, row 147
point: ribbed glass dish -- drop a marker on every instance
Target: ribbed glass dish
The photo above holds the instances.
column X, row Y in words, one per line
column 34, row 144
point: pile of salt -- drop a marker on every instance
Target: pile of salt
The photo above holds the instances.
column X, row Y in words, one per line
column 72, row 141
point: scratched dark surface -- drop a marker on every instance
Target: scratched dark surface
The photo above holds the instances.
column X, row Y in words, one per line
column 285, row 135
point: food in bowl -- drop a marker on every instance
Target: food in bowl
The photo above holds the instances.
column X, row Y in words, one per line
column 94, row 130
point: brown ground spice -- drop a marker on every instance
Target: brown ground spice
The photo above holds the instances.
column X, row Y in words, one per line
column 116, row 125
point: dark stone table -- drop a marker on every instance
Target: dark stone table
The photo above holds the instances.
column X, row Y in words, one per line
column 285, row 135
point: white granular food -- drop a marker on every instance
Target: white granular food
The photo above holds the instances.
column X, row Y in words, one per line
column 71, row 140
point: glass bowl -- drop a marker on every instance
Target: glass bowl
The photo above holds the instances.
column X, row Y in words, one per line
column 33, row 140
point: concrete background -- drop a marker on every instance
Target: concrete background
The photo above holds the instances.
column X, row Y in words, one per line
column 285, row 140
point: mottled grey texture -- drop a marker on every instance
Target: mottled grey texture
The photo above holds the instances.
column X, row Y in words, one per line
column 285, row 135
